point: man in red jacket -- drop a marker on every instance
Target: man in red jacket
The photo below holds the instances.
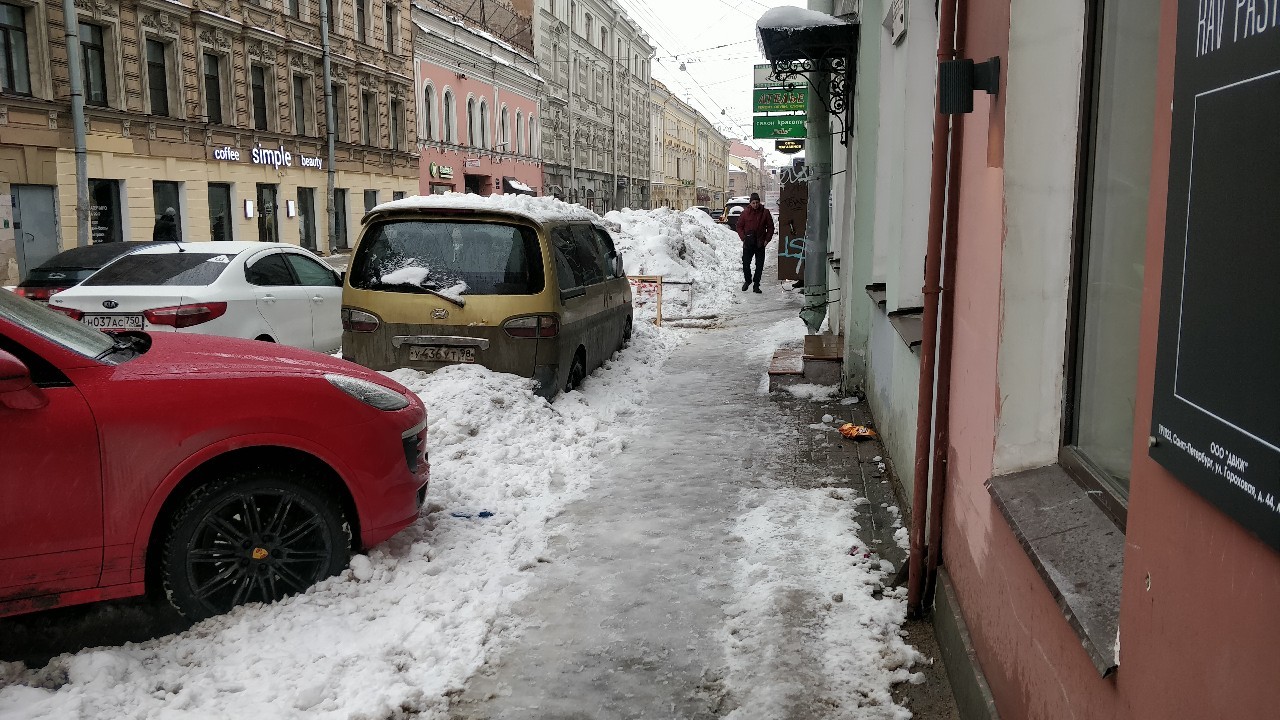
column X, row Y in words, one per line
column 755, row 228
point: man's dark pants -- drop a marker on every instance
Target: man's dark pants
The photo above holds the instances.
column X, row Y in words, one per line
column 752, row 249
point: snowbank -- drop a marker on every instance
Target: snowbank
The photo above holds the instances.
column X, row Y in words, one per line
column 795, row 18
column 540, row 208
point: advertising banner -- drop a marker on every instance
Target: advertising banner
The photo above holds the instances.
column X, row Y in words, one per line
column 772, row 127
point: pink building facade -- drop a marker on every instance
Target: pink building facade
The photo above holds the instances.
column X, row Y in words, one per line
column 478, row 124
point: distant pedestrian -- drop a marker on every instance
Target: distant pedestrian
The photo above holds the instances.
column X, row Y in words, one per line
column 166, row 229
column 755, row 228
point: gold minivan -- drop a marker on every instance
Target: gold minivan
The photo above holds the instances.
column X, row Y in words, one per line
column 442, row 280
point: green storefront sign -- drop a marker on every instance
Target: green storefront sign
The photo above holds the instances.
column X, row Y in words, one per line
column 779, row 99
column 772, row 127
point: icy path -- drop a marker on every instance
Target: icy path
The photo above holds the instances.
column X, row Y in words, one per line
column 693, row 580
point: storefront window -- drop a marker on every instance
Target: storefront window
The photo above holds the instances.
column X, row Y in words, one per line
column 339, row 220
column 168, row 204
column 219, row 211
column 104, row 211
column 1109, row 259
column 268, row 224
column 307, row 217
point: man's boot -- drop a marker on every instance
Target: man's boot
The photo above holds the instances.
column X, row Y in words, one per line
column 756, row 288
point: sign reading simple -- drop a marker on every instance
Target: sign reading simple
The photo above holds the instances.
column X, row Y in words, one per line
column 788, row 147
column 1214, row 418
column 779, row 99
column 772, row 127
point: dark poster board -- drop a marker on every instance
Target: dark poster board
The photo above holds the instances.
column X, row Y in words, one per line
column 1216, row 412
column 793, row 214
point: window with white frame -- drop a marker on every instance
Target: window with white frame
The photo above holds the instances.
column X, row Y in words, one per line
column 486, row 138
column 449, row 120
column 519, row 133
column 472, row 123
column 504, row 130
column 15, row 64
column 93, row 60
column 428, row 107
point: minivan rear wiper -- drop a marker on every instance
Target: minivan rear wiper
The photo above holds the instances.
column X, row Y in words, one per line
column 421, row 289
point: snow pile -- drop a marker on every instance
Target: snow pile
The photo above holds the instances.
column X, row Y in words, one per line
column 795, row 18
column 684, row 246
column 407, row 624
column 539, row 208
column 792, row 582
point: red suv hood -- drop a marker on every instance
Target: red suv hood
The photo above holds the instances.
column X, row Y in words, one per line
column 211, row 355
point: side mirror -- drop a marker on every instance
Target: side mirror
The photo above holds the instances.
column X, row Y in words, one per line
column 618, row 270
column 17, row 392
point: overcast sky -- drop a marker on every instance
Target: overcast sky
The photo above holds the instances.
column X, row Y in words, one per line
column 716, row 42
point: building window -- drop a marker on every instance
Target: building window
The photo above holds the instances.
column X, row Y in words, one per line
column 295, row 8
column 219, row 211
column 301, row 113
column 519, row 133
column 341, row 127
column 339, row 230
column 471, row 122
column 450, row 134
column 157, row 78
column 368, row 116
column 362, row 25
column 604, row 40
column 258, row 83
column 397, row 124
column 15, row 70
column 104, row 211
column 428, row 105
column 307, row 217
column 93, row 57
column 213, row 88
column 504, row 131
column 1116, row 165
column 370, row 200
column 397, row 195
column 167, row 202
column 392, row 22
column 589, row 28
column 485, row 139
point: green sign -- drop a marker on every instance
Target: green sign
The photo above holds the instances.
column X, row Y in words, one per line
column 779, row 99
column 772, row 127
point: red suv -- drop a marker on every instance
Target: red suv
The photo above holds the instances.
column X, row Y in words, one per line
column 222, row 471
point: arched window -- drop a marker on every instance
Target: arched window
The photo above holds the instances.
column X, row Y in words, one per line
column 590, row 28
column 485, row 138
column 428, row 112
column 535, row 147
column 519, row 133
column 504, row 130
column 450, row 135
column 471, row 122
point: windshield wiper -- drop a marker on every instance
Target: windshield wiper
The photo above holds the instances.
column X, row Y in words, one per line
column 119, row 343
column 424, row 289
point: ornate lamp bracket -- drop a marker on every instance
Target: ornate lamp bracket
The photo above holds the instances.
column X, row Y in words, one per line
column 837, row 95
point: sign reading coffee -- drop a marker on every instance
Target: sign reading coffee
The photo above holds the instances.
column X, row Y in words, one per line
column 1215, row 423
column 271, row 157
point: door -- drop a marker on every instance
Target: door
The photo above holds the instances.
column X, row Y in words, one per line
column 339, row 221
column 282, row 303
column 105, row 219
column 167, row 201
column 50, row 502
column 617, row 289
column 582, row 293
column 35, row 225
column 219, row 211
column 324, row 291
column 268, row 226
column 307, row 217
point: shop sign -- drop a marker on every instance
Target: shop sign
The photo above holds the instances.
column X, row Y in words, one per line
column 779, row 99
column 788, row 147
column 764, row 78
column 471, row 162
column 1214, row 423
column 226, row 153
column 772, row 127
column 270, row 157
column 443, row 172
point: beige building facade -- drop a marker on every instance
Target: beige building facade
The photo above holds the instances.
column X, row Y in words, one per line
column 690, row 157
column 214, row 108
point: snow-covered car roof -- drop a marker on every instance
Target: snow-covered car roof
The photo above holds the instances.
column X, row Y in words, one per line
column 540, row 209
column 223, row 248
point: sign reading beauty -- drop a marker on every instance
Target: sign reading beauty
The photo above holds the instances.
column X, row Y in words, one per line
column 1214, row 418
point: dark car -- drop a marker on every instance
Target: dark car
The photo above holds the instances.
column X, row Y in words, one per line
column 71, row 267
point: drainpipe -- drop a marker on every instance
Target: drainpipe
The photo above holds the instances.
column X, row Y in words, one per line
column 613, row 100
column 818, row 157
column 573, row 148
column 71, row 25
column 942, row 159
column 330, row 116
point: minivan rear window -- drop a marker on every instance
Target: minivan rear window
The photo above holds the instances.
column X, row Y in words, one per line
column 184, row 268
column 419, row 255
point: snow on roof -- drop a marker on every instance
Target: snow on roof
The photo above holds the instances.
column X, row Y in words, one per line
column 538, row 209
column 735, row 168
column 794, row 18
column 220, row 247
column 517, row 185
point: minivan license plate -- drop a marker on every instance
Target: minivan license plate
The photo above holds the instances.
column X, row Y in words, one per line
column 113, row 322
column 428, row 353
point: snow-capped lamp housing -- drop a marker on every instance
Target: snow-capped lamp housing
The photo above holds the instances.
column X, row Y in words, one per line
column 798, row 42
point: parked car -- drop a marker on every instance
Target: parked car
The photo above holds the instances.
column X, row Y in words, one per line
column 70, row 268
column 219, row 471
column 258, row 291
column 732, row 209
column 703, row 208
column 439, row 280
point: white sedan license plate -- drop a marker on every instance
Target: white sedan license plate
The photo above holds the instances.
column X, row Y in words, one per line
column 429, row 353
column 113, row 322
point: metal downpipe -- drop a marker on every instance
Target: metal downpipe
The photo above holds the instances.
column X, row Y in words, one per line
column 929, row 340
column 330, row 130
column 71, row 26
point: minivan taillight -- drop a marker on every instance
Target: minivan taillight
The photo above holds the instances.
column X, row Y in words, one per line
column 183, row 316
column 533, row 326
column 359, row 321
column 69, row 312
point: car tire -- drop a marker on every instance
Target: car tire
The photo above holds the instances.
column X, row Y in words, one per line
column 626, row 333
column 577, row 373
column 256, row 535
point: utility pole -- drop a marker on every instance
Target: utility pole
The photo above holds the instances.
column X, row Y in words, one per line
column 330, row 131
column 818, row 225
column 71, row 25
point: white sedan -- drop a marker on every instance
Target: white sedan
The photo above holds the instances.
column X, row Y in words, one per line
column 265, row 291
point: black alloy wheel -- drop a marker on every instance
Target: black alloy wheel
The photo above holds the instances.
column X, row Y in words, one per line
column 577, row 373
column 254, row 536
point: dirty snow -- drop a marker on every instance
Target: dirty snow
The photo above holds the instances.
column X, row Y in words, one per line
column 404, row 628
